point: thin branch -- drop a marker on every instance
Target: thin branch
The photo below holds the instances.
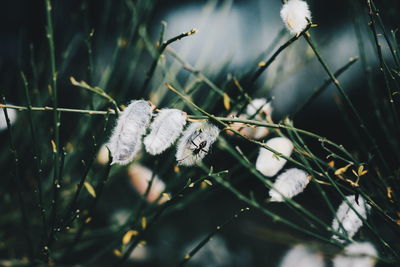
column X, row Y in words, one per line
column 161, row 49
column 275, row 55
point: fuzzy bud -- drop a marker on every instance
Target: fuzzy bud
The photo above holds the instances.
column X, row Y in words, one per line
column 269, row 163
column 125, row 140
column 302, row 256
column 347, row 221
column 165, row 129
column 295, row 14
column 195, row 143
column 356, row 255
column 289, row 184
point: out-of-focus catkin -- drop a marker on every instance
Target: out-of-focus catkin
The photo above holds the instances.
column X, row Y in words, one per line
column 347, row 222
column 289, row 184
column 269, row 163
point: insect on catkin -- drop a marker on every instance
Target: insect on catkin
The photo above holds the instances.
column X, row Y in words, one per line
column 195, row 143
column 356, row 255
column 125, row 140
column 295, row 14
column 347, row 221
column 269, row 163
column 289, row 184
column 165, row 129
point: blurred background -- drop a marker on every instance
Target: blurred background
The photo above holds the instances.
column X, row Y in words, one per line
column 111, row 44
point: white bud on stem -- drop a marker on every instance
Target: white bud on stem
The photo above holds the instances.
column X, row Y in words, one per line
column 295, row 14
column 289, row 184
column 165, row 129
column 269, row 163
column 302, row 256
column 347, row 221
column 125, row 140
column 195, row 143
column 356, row 255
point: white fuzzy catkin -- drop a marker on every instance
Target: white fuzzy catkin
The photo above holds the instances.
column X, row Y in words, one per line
column 302, row 256
column 269, row 163
column 356, row 255
column 259, row 104
column 12, row 116
column 165, row 129
column 125, row 140
column 295, row 14
column 348, row 218
column 188, row 151
column 289, row 184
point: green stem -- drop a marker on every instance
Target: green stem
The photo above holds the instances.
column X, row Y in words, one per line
column 348, row 101
column 217, row 229
column 24, row 217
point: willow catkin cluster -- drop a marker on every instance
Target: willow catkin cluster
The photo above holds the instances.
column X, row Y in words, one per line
column 165, row 129
column 356, row 255
column 302, row 256
column 195, row 143
column 347, row 222
column 269, row 163
column 295, row 14
column 289, row 184
column 132, row 123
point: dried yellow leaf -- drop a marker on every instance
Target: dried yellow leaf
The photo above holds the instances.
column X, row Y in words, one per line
column 186, row 257
column 342, row 170
column 227, row 101
column 167, row 196
column 128, row 236
column 88, row 220
column 261, row 64
column 90, row 189
column 176, row 169
column 144, row 222
column 208, row 182
column 361, row 170
column 117, row 253
column 191, row 185
column 389, row 192
column 53, row 146
column 331, row 163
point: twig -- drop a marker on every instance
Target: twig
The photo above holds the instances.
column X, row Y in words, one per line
column 217, row 229
column 166, row 205
column 161, row 49
column 36, row 158
column 348, row 101
column 262, row 68
column 50, row 38
column 326, row 83
column 24, row 217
